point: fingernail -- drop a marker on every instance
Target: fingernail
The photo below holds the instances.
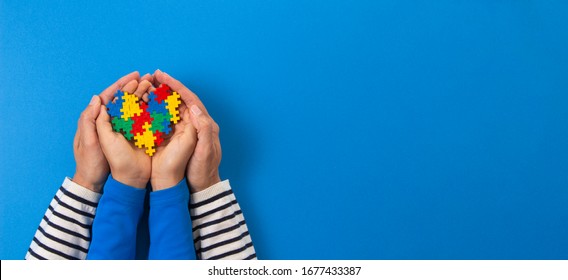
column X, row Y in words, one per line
column 195, row 110
column 93, row 100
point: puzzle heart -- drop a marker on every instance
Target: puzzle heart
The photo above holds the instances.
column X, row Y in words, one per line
column 146, row 123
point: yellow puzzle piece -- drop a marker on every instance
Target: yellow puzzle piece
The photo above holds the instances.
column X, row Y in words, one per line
column 173, row 102
column 146, row 139
column 130, row 106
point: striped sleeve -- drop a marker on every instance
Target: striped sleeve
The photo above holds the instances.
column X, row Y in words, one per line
column 65, row 230
column 219, row 227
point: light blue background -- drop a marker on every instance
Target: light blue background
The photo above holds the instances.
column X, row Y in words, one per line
column 350, row 129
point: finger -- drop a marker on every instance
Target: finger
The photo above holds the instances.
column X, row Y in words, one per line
column 131, row 86
column 146, row 97
column 148, row 77
column 87, row 128
column 93, row 108
column 142, row 88
column 188, row 97
column 155, row 81
column 108, row 94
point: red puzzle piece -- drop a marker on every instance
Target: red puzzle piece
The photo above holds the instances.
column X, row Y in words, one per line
column 139, row 121
column 162, row 93
column 159, row 138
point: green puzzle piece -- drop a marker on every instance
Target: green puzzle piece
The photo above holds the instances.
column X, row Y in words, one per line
column 158, row 122
column 119, row 124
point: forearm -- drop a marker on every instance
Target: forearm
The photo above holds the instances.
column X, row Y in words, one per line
column 65, row 230
column 116, row 222
column 170, row 224
column 219, row 227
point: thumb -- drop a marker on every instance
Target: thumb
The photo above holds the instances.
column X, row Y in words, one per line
column 93, row 108
column 202, row 124
column 104, row 128
column 87, row 120
column 190, row 135
column 204, row 131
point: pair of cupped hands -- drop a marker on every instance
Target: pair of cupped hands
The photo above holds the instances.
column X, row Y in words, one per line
column 193, row 149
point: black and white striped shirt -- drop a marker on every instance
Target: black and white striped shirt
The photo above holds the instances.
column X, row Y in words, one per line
column 219, row 227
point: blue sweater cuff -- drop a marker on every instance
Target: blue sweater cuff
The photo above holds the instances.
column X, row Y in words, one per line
column 123, row 193
column 179, row 192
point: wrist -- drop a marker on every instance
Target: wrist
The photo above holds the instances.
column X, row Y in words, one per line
column 204, row 185
column 92, row 185
column 133, row 181
column 161, row 182
column 134, row 177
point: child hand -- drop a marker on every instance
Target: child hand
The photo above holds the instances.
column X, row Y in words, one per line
column 128, row 164
column 170, row 160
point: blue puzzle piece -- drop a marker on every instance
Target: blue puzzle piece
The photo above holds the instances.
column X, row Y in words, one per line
column 156, row 107
column 166, row 126
column 114, row 108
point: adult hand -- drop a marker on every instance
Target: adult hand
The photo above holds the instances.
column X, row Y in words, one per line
column 92, row 168
column 203, row 167
column 128, row 164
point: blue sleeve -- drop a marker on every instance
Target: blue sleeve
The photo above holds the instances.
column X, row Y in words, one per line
column 116, row 222
column 171, row 234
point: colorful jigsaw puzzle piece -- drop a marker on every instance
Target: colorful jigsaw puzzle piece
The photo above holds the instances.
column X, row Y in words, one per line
column 114, row 107
column 130, row 106
column 146, row 139
column 119, row 124
column 162, row 93
column 173, row 106
column 146, row 123
column 166, row 126
column 159, row 138
column 156, row 106
column 159, row 121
